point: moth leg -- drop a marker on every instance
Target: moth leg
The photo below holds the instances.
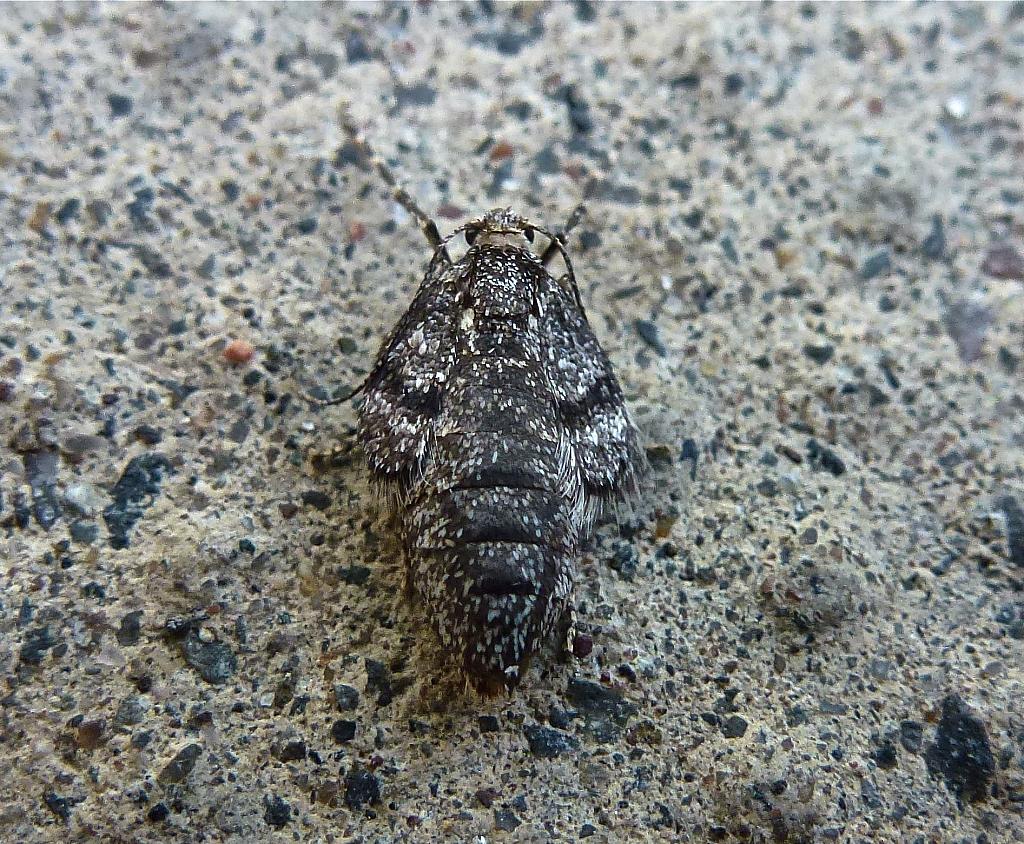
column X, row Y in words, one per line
column 400, row 194
column 552, row 248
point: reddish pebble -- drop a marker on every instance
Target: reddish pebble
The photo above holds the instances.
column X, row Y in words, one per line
column 501, row 150
column 238, row 351
column 356, row 231
column 582, row 645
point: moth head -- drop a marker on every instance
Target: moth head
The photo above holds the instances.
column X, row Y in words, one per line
column 498, row 226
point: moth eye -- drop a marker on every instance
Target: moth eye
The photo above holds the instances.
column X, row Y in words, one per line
column 471, row 235
column 528, row 234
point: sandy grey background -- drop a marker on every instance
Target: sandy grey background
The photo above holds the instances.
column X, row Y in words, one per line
column 804, row 256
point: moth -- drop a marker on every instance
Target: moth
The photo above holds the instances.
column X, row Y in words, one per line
column 494, row 422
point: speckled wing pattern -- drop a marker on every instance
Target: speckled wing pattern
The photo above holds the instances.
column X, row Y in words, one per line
column 494, row 416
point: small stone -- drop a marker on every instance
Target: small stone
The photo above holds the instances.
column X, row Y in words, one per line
column 60, row 806
column 148, row 434
column 955, row 108
column 130, row 711
column 547, row 743
column 875, row 265
column 648, row 332
column 158, row 813
column 885, row 755
column 128, row 631
column 823, row 457
column 934, row 245
column 291, row 751
column 505, row 820
column 361, row 787
column 356, row 49
column 346, row 698
column 587, row 830
column 68, row 211
column 378, row 681
column 120, row 105
column 215, row 661
column 582, row 645
column 1004, row 261
column 961, row 754
column 83, row 532
column 133, row 493
column 488, row 724
column 820, row 354
column 238, row 352
column 306, row 225
column 276, row 812
column 912, row 736
column 316, row 499
column 37, row 642
column 178, row 769
column 343, row 731
column 734, row 727
column 486, row 797
column 1014, row 515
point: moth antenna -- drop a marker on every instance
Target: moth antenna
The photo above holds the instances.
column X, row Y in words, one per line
column 398, row 193
column 578, row 213
column 556, row 246
column 322, row 403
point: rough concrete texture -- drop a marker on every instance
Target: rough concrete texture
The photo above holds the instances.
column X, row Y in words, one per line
column 804, row 256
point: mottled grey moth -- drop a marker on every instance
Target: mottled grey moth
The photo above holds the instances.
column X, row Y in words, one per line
column 493, row 419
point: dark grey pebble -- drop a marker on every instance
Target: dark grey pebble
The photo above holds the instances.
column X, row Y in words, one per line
column 506, row 820
column 961, row 753
column 420, row 94
column 276, row 812
column 885, row 755
column 128, row 631
column 823, row 457
column 37, row 642
column 148, row 434
column 934, row 245
column 214, row 661
column 120, row 105
column 729, row 248
column 343, row 731
column 60, row 806
column 84, row 533
column 346, row 698
column 648, row 332
column 875, row 265
column 547, row 743
column 355, row 575
column 1014, row 516
column 594, row 700
column 356, row 49
column 130, row 711
column 317, row 499
column 158, row 813
column 734, row 727
column 181, row 765
column 488, row 724
column 291, row 751
column 820, row 354
column 361, row 787
column 68, row 210
column 133, row 493
column 378, row 681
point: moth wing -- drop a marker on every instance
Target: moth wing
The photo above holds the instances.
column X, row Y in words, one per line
column 588, row 397
column 402, row 393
